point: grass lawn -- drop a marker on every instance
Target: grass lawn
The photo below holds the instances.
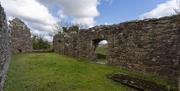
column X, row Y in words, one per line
column 54, row 72
column 101, row 52
column 102, row 49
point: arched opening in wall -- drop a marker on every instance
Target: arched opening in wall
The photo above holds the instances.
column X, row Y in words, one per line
column 101, row 50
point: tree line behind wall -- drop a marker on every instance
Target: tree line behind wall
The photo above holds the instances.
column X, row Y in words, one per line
column 40, row 44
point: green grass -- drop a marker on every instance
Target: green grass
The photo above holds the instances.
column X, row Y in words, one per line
column 53, row 72
column 102, row 50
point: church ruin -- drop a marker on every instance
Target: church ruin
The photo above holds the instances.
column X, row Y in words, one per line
column 151, row 45
column 20, row 36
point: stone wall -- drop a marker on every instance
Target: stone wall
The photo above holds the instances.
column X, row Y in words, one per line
column 151, row 45
column 179, row 83
column 21, row 36
column 4, row 47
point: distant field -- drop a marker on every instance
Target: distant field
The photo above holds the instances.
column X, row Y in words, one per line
column 102, row 49
column 53, row 72
column 101, row 53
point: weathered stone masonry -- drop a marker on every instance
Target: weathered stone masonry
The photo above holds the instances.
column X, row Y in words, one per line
column 4, row 47
column 20, row 36
column 151, row 46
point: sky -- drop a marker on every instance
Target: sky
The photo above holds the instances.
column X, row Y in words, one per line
column 42, row 15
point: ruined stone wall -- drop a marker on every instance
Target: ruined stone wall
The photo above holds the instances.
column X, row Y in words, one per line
column 179, row 83
column 151, row 46
column 4, row 47
column 20, row 36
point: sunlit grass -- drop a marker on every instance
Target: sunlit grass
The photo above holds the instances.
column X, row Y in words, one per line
column 53, row 72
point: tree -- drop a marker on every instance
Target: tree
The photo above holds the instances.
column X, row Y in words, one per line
column 67, row 27
column 40, row 44
column 58, row 28
column 73, row 29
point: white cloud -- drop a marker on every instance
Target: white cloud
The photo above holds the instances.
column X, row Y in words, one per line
column 61, row 14
column 85, row 21
column 163, row 9
column 82, row 11
column 103, row 42
column 36, row 15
